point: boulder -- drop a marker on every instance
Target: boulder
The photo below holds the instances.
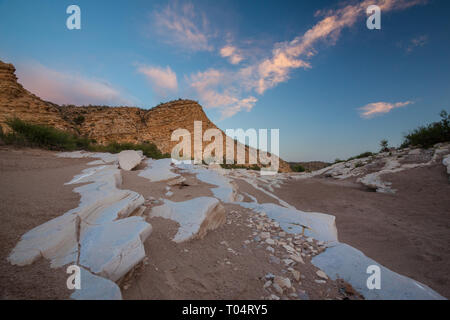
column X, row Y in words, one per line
column 196, row 217
column 130, row 159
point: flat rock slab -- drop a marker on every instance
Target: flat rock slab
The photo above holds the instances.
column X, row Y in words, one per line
column 345, row 262
column 320, row 226
column 130, row 159
column 99, row 234
column 196, row 217
column 158, row 170
column 96, row 288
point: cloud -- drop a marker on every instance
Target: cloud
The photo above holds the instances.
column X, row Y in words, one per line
column 232, row 53
column 162, row 79
column 183, row 27
column 215, row 91
column 374, row 109
column 414, row 43
column 68, row 87
column 285, row 57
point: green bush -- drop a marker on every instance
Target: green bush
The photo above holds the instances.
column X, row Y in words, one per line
column 79, row 120
column 297, row 168
column 384, row 145
column 362, row 155
column 43, row 136
column 428, row 136
column 148, row 149
column 33, row 135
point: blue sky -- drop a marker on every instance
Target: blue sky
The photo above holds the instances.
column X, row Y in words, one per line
column 310, row 68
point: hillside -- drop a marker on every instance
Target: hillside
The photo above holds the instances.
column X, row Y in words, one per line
column 100, row 123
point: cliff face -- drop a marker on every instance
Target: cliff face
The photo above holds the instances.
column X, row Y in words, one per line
column 103, row 124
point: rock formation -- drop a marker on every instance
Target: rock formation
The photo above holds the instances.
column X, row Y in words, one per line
column 104, row 124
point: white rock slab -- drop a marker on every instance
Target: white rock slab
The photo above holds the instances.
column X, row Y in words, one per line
column 158, row 170
column 96, row 288
column 320, row 226
column 224, row 190
column 114, row 248
column 446, row 162
column 105, row 157
column 347, row 263
column 98, row 234
column 196, row 217
column 129, row 159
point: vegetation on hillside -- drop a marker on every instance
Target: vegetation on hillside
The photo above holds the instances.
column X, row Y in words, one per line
column 427, row 136
column 33, row 135
column 297, row 168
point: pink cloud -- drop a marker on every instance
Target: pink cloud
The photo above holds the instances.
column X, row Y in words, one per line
column 182, row 26
column 162, row 79
column 232, row 53
column 285, row 57
column 374, row 109
column 68, row 87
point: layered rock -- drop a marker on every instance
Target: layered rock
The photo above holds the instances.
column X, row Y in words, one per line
column 105, row 124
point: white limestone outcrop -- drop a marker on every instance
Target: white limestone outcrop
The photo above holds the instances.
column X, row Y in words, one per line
column 98, row 235
column 196, row 217
column 158, row 170
column 130, row 159
column 96, row 288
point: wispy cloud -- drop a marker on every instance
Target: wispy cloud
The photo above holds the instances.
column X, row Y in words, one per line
column 182, row 26
column 276, row 68
column 64, row 87
column 161, row 79
column 417, row 42
column 378, row 108
column 232, row 53
column 215, row 91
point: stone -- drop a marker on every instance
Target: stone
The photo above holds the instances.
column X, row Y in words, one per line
column 282, row 282
column 264, row 235
column 278, row 288
column 196, row 216
column 296, row 274
column 129, row 159
column 321, row 274
column 270, row 241
column 96, row 288
column 297, row 258
column 274, row 297
column 270, row 249
column 267, row 284
column 320, row 281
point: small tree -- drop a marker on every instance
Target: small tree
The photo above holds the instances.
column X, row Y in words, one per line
column 384, row 144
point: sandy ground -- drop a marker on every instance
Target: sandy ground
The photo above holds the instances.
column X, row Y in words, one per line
column 408, row 232
column 219, row 266
column 206, row 268
column 32, row 192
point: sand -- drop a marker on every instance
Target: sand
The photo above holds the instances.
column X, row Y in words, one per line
column 33, row 192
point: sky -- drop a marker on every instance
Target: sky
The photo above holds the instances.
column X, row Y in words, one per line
column 311, row 69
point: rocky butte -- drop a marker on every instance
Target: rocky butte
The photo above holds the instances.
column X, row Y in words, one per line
column 101, row 123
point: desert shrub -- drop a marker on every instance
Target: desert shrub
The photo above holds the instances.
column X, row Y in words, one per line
column 33, row 135
column 148, row 149
column 362, row 155
column 25, row 133
column 429, row 135
column 359, row 164
column 297, row 168
column 79, row 120
column 384, row 145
